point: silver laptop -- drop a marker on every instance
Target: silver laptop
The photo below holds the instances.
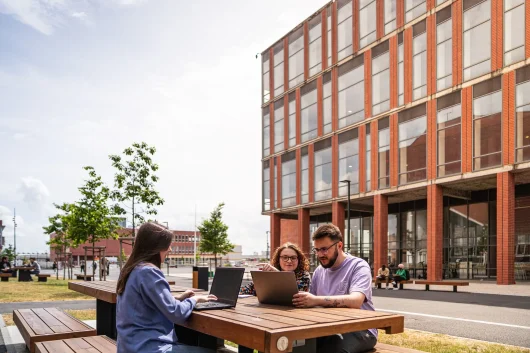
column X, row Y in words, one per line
column 225, row 287
column 277, row 288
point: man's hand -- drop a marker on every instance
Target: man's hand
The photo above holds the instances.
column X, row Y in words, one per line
column 304, row 300
column 267, row 267
column 187, row 294
column 205, row 298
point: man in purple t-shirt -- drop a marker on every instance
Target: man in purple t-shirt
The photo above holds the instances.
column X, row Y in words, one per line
column 341, row 281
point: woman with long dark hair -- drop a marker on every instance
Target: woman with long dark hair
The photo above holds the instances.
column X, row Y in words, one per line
column 146, row 311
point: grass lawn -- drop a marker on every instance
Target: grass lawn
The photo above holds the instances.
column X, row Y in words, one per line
column 89, row 314
column 14, row 291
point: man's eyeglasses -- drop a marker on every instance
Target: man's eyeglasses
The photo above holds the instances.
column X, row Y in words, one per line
column 289, row 258
column 324, row 251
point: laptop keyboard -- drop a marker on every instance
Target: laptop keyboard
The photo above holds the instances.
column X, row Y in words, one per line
column 210, row 305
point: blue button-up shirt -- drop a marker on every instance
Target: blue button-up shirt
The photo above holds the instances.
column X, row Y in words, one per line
column 146, row 312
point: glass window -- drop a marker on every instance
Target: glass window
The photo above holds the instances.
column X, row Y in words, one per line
column 351, row 97
column 449, row 140
column 444, row 55
column 326, row 113
column 414, row 9
column 330, row 46
column 419, row 66
column 384, row 158
column 266, row 187
column 296, row 58
column 289, row 183
column 477, row 40
column 412, row 136
column 367, row 22
column 390, row 16
column 323, row 174
column 292, row 123
column 304, row 179
column 514, row 23
column 368, row 161
column 315, row 46
column 522, row 111
column 345, row 29
column 278, row 70
column 266, row 132
column 266, row 93
column 487, row 131
column 309, row 120
column 349, row 166
column 278, row 128
column 401, row 75
column 380, row 84
column 438, row 2
column 393, row 240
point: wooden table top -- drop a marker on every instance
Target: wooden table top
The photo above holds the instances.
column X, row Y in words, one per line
column 106, row 290
column 273, row 329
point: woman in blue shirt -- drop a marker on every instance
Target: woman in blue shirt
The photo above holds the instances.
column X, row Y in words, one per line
column 146, row 311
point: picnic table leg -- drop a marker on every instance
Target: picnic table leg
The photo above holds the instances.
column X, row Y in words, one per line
column 106, row 319
column 193, row 338
column 241, row 349
column 454, row 289
column 426, row 287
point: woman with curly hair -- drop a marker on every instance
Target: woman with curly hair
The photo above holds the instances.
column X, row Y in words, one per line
column 287, row 257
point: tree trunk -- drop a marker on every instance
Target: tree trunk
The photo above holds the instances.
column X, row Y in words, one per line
column 215, row 261
column 93, row 258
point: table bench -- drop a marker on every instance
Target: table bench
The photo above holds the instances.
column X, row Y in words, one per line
column 386, row 348
column 101, row 344
column 454, row 284
column 43, row 278
column 48, row 324
column 401, row 283
column 84, row 277
column 5, row 276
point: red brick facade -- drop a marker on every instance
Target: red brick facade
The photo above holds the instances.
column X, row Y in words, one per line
column 505, row 228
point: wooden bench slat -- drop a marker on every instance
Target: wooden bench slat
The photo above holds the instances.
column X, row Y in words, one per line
column 68, row 321
column 94, row 344
column 37, row 325
column 53, row 346
column 103, row 343
column 54, row 324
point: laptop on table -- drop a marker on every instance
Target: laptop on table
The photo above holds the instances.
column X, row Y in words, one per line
column 225, row 286
column 276, row 288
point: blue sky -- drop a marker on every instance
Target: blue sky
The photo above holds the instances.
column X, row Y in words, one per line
column 82, row 79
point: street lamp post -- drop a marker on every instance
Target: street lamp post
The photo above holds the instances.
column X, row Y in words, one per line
column 348, row 215
column 15, row 232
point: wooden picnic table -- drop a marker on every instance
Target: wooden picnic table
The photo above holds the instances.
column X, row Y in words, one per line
column 23, row 273
column 105, row 294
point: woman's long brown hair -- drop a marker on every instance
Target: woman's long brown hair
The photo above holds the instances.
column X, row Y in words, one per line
column 303, row 262
column 149, row 242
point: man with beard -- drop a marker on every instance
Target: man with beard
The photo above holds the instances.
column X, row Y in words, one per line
column 341, row 281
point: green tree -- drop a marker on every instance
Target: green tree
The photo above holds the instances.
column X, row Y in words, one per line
column 123, row 256
column 214, row 236
column 134, row 183
column 57, row 229
column 9, row 252
column 92, row 219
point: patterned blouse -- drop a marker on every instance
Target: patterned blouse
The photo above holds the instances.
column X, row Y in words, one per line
column 303, row 279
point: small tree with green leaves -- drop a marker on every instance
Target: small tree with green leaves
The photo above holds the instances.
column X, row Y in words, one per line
column 92, row 219
column 57, row 229
column 9, row 252
column 214, row 236
column 134, row 183
column 123, row 256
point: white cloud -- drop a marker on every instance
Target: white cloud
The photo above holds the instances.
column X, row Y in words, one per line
column 33, row 192
column 42, row 15
column 79, row 14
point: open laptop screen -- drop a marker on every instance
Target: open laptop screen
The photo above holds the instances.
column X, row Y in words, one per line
column 226, row 284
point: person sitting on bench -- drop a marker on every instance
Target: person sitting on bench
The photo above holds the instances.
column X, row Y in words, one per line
column 5, row 265
column 34, row 266
column 383, row 274
column 146, row 310
column 400, row 275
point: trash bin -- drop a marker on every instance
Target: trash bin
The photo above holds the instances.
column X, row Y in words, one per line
column 200, row 278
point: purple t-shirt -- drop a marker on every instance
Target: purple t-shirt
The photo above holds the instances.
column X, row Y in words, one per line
column 353, row 275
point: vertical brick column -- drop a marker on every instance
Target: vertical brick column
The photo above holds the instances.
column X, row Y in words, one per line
column 497, row 14
column 380, row 8
column 306, row 50
column 380, row 231
column 527, row 28
column 320, row 123
column 335, row 98
column 334, row 46
column 393, row 45
column 505, row 228
column 271, row 128
column 355, row 29
column 335, row 166
column 400, row 14
column 467, row 129
column 298, row 117
column 271, row 182
column 431, row 139
column 394, row 150
column 374, row 140
column 279, row 181
column 286, row 63
column 271, row 73
column 434, row 232
column 324, row 26
column 337, row 216
column 286, row 131
column 276, row 233
column 456, row 16
column 298, row 176
column 362, row 158
column 311, row 157
column 431, row 55
column 430, row 5
column 303, row 230
column 368, row 83
column 407, row 38
column 508, row 118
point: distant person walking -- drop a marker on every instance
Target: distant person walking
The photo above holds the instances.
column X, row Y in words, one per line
column 54, row 266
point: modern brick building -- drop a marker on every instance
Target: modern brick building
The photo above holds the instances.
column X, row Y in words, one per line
column 424, row 107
